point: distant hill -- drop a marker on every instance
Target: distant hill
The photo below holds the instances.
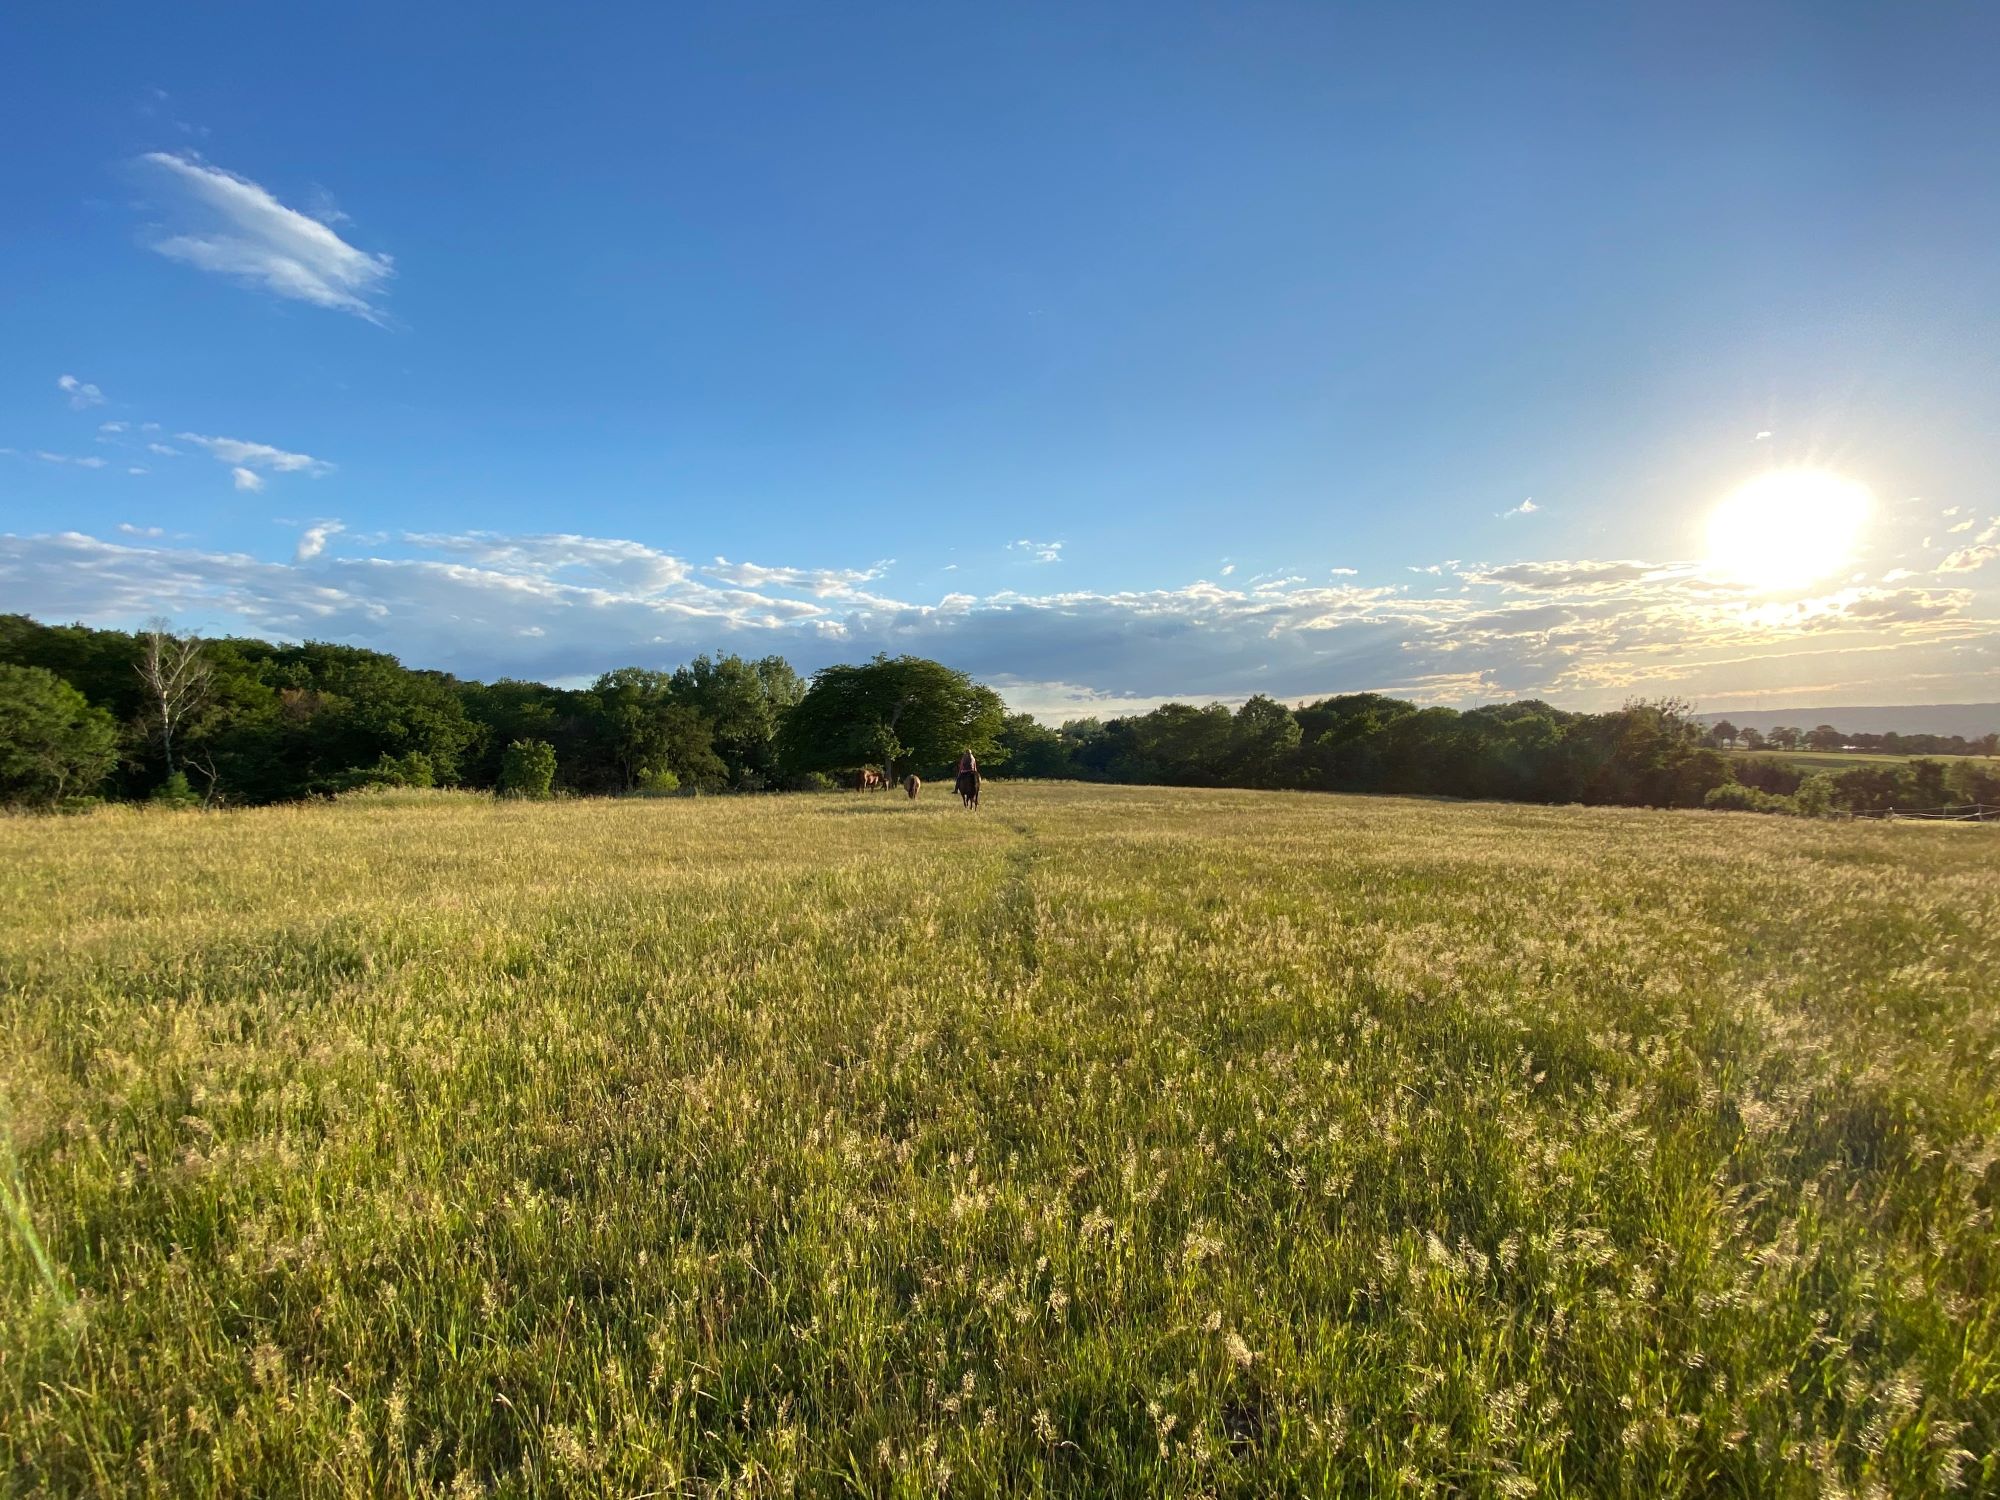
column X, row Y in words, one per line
column 1969, row 719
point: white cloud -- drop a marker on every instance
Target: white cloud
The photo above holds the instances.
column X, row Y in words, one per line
column 564, row 606
column 1227, row 569
column 130, row 530
column 136, row 469
column 1562, row 575
column 92, row 462
column 236, row 228
column 111, row 427
column 82, row 394
column 163, row 450
column 825, row 582
column 1041, row 552
column 243, row 458
column 603, row 561
column 312, row 541
column 1525, row 508
column 1970, row 559
column 1343, row 572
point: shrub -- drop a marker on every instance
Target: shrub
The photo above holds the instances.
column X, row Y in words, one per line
column 659, row 782
column 1814, row 798
column 1732, row 796
column 411, row 770
column 528, row 769
column 1975, row 781
column 1768, row 775
column 175, row 792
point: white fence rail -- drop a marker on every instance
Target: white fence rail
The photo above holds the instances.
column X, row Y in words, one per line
column 1962, row 812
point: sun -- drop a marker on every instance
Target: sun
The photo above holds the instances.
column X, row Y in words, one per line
column 1787, row 529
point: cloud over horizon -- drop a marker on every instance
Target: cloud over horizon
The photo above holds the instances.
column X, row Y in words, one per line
column 562, row 606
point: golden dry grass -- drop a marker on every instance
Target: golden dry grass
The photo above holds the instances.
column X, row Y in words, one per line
column 1108, row 1141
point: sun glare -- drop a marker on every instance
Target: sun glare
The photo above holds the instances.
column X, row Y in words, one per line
column 1788, row 528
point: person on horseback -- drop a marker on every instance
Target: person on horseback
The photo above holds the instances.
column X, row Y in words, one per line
column 968, row 778
column 968, row 764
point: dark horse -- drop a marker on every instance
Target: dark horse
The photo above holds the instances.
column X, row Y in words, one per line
column 968, row 788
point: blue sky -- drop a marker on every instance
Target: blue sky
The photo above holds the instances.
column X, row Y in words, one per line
column 1112, row 352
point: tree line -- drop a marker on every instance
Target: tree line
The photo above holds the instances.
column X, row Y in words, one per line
column 151, row 715
column 1725, row 735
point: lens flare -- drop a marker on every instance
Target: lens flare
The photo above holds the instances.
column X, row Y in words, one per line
column 1787, row 529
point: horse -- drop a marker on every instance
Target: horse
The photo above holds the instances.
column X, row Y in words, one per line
column 968, row 788
column 913, row 785
column 868, row 779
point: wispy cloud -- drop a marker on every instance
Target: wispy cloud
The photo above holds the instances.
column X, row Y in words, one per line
column 1525, row 508
column 82, row 394
column 163, row 449
column 825, row 582
column 244, row 457
column 312, row 541
column 236, row 228
column 247, row 479
column 89, row 461
column 1041, row 552
column 1564, row 575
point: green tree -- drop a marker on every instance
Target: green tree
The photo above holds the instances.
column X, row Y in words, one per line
column 643, row 731
column 53, row 744
column 889, row 710
column 744, row 703
column 528, row 769
column 1029, row 747
column 1263, row 744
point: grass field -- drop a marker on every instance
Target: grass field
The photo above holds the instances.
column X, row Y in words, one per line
column 1108, row 1141
column 1846, row 760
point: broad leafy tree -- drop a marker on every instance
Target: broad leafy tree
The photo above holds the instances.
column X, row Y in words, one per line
column 744, row 703
column 53, row 744
column 892, row 712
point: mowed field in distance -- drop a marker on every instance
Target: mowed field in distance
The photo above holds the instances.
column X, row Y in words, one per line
column 1107, row 1141
column 1810, row 761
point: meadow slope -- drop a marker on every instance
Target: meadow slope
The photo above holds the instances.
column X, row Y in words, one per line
column 1107, row 1141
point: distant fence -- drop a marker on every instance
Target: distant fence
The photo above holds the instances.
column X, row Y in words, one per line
column 1964, row 812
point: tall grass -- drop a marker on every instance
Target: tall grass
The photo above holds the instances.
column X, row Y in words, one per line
column 1108, row 1141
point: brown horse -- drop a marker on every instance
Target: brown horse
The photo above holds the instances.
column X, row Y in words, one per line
column 868, row 779
column 913, row 785
column 968, row 788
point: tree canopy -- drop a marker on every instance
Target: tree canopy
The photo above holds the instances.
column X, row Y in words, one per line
column 893, row 711
column 53, row 744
